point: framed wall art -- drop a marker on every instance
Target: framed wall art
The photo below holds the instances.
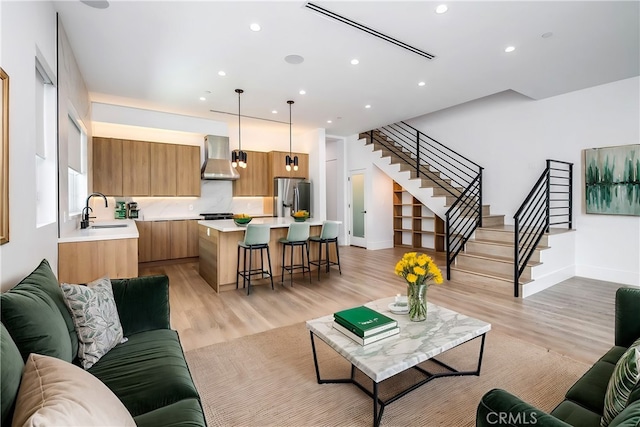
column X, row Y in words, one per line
column 612, row 180
column 4, row 158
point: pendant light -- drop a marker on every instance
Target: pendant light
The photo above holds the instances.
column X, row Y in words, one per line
column 239, row 157
column 289, row 160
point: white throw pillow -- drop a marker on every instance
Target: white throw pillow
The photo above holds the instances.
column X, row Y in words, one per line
column 96, row 319
column 57, row 393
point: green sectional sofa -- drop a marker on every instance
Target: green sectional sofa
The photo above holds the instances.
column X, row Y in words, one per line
column 583, row 405
column 148, row 373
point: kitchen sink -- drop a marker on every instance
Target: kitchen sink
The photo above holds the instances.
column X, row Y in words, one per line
column 98, row 226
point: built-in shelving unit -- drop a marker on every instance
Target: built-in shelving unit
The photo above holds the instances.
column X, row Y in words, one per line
column 414, row 224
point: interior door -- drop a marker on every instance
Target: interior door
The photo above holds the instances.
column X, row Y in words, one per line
column 357, row 208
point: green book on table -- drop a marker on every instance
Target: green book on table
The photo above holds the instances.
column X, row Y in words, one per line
column 364, row 321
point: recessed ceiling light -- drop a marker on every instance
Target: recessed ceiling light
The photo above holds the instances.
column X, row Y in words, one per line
column 274, row 111
column 302, row 92
column 547, row 35
column 421, row 83
column 367, row 106
column 222, row 73
column 329, row 121
column 96, row 4
column 202, row 98
column 354, row 61
column 255, row 27
column 294, row 59
column 441, row 8
column 509, row 49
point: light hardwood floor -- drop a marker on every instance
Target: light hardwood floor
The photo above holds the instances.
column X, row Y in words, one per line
column 575, row 318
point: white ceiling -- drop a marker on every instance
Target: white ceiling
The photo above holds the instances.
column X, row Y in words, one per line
column 165, row 55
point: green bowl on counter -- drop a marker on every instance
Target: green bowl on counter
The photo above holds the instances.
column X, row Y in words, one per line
column 240, row 222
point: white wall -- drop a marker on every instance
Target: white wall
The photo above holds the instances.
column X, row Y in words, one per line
column 378, row 199
column 511, row 136
column 25, row 26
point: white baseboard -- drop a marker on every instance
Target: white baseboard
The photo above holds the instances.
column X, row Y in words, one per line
column 549, row 280
column 608, row 275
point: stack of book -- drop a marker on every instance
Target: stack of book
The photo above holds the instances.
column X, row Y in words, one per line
column 364, row 325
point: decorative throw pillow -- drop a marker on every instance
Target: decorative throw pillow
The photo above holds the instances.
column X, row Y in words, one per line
column 95, row 316
column 623, row 380
column 57, row 393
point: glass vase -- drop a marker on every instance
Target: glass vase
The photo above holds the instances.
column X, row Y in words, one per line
column 417, row 301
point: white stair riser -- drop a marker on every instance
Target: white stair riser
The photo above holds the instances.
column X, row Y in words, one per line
column 483, row 283
column 490, row 265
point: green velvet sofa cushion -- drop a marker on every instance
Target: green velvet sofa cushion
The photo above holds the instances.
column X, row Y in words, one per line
column 627, row 322
column 143, row 303
column 590, row 389
column 629, row 417
column 147, row 372
column 185, row 413
column 576, row 415
column 34, row 319
column 12, row 366
column 613, row 355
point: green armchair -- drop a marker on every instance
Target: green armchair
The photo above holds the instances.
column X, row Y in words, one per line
column 584, row 402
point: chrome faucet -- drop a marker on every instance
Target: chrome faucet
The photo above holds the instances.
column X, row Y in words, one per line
column 84, row 223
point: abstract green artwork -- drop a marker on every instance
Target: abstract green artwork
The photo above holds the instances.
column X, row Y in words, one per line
column 612, row 179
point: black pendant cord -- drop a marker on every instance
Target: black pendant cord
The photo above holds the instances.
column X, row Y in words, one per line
column 239, row 91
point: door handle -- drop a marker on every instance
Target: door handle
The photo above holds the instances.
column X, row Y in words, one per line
column 364, row 212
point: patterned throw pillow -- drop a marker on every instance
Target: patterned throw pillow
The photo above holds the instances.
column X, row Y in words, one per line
column 96, row 318
column 624, row 379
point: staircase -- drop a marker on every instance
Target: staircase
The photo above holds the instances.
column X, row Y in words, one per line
column 483, row 259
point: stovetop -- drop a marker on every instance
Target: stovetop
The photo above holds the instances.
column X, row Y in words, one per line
column 216, row 215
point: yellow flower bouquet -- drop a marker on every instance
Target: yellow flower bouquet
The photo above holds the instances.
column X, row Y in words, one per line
column 419, row 271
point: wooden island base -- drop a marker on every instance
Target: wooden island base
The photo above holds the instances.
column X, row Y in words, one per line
column 219, row 255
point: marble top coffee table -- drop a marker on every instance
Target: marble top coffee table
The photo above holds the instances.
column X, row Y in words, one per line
column 417, row 342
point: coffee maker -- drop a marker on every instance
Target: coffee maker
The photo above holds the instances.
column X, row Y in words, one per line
column 132, row 208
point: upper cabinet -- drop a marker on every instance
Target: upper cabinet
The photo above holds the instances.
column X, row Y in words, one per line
column 107, row 166
column 277, row 162
column 253, row 179
column 139, row 168
column 135, row 168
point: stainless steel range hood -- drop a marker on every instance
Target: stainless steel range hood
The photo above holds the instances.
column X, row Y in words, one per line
column 217, row 154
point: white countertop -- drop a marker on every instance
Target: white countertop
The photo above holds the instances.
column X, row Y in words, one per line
column 225, row 225
column 94, row 234
column 168, row 217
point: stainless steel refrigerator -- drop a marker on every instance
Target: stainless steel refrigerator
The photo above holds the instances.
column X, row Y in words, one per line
column 291, row 195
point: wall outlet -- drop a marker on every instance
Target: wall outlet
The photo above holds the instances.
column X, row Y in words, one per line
column 190, row 207
column 208, row 232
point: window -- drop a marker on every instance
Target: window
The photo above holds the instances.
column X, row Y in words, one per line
column 77, row 166
column 45, row 147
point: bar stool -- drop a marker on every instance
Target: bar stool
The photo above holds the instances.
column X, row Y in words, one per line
column 329, row 234
column 297, row 235
column 256, row 237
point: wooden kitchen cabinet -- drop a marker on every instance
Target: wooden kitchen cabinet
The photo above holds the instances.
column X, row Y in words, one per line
column 188, row 170
column 303, row 166
column 135, row 168
column 139, row 168
column 163, row 170
column 107, row 166
column 254, row 179
column 165, row 240
column 160, row 240
column 277, row 165
column 83, row 262
column 144, row 241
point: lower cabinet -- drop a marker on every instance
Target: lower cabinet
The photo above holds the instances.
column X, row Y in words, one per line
column 83, row 262
column 164, row 240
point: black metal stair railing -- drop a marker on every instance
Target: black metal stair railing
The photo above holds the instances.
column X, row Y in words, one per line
column 548, row 203
column 460, row 177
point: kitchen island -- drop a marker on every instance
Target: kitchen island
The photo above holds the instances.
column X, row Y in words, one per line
column 219, row 249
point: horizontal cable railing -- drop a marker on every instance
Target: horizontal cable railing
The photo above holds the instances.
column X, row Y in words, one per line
column 460, row 177
column 548, row 203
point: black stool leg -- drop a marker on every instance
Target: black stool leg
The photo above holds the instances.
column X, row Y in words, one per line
column 326, row 246
column 291, row 265
column 338, row 256
column 306, row 245
column 284, row 250
column 250, row 264
column 270, row 271
column 238, row 267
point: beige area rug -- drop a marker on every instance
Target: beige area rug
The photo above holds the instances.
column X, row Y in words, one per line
column 268, row 379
